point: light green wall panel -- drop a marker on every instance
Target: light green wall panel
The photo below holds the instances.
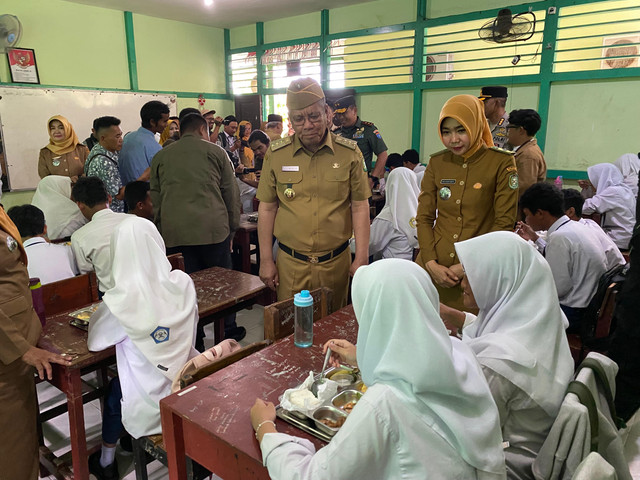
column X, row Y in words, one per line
column 591, row 123
column 178, row 56
column 391, row 113
column 75, row 45
column 12, row 199
column 379, row 13
column 520, row 96
column 291, row 28
column 244, row 36
column 443, row 8
column 222, row 107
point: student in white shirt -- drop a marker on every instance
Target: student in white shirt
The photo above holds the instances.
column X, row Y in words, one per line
column 573, row 202
column 53, row 197
column 47, row 261
column 576, row 258
column 90, row 244
column 150, row 314
column 518, row 338
column 427, row 412
column 614, row 201
column 393, row 232
column 629, row 166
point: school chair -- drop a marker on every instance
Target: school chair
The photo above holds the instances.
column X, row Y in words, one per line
column 70, row 293
column 177, row 261
column 147, row 449
column 279, row 316
column 587, row 422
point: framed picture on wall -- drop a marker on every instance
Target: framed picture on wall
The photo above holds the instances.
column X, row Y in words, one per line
column 22, row 63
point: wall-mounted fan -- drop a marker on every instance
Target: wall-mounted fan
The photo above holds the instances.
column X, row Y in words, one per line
column 509, row 28
column 10, row 31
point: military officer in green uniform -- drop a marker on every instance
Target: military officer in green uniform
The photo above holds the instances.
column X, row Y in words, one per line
column 368, row 137
column 313, row 196
column 495, row 100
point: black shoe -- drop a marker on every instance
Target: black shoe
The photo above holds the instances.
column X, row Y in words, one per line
column 110, row 472
column 237, row 333
column 125, row 443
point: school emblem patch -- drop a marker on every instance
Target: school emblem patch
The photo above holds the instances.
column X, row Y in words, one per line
column 445, row 193
column 160, row 334
column 513, row 181
column 11, row 243
column 412, row 222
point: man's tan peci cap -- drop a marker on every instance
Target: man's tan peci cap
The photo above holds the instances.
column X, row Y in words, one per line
column 303, row 92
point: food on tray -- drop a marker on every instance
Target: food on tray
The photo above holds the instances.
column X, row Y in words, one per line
column 347, row 407
column 85, row 313
column 299, row 397
column 333, row 423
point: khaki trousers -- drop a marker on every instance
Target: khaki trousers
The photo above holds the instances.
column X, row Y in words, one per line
column 296, row 275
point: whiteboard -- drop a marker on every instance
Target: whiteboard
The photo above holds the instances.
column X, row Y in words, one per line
column 24, row 113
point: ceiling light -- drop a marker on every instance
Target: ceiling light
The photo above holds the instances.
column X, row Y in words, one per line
column 208, row 3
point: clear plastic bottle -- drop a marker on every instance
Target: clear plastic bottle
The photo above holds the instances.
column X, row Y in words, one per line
column 558, row 182
column 303, row 326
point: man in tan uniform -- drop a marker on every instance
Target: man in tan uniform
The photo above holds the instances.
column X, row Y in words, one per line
column 313, row 194
column 523, row 126
column 19, row 332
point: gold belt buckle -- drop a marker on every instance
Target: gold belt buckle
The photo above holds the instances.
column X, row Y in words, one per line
column 313, row 259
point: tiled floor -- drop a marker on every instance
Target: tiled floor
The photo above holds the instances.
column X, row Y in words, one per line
column 56, row 431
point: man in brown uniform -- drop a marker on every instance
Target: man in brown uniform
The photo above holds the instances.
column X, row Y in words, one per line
column 313, row 194
column 19, row 332
column 523, row 126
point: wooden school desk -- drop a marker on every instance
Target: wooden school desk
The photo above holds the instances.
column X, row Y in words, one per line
column 209, row 421
column 242, row 242
column 221, row 292
column 60, row 337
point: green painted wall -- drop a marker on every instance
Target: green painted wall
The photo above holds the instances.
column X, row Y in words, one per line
column 178, row 56
column 391, row 112
column 222, row 107
column 11, row 199
column 244, row 36
column 67, row 39
column 378, row 13
column 520, row 96
column 292, row 27
column 591, row 123
column 443, row 8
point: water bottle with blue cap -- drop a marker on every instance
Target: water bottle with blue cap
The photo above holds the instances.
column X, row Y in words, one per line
column 303, row 326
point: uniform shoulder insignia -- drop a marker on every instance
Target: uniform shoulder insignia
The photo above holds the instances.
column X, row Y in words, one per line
column 439, row 153
column 347, row 142
column 368, row 124
column 501, row 150
column 279, row 143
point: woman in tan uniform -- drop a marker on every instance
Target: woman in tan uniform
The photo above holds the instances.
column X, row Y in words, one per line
column 64, row 155
column 19, row 333
column 469, row 189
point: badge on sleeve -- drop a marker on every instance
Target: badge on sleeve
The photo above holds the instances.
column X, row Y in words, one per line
column 445, row 193
column 377, row 134
column 513, row 181
column 160, row 334
column 11, row 243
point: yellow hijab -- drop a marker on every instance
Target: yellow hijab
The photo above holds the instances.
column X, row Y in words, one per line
column 248, row 153
column 165, row 135
column 70, row 141
column 468, row 111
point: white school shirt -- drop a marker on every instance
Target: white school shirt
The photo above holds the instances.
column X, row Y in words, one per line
column 576, row 260
column 383, row 438
column 387, row 241
column 91, row 245
column 611, row 251
column 48, row 261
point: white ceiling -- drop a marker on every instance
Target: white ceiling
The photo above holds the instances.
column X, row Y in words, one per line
column 223, row 13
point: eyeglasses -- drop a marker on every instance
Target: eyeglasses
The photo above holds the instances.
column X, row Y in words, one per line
column 314, row 117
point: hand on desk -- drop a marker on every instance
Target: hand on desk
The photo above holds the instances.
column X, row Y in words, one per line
column 42, row 360
column 269, row 274
column 262, row 413
column 341, row 352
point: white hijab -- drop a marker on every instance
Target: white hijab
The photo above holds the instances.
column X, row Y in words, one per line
column 401, row 203
column 157, row 307
column 629, row 166
column 519, row 332
column 402, row 343
column 62, row 215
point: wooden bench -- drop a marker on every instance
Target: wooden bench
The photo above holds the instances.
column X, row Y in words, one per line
column 279, row 316
column 177, row 261
column 146, row 449
column 70, row 293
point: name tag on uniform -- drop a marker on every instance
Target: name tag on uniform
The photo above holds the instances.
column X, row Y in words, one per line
column 290, row 168
column 448, row 181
